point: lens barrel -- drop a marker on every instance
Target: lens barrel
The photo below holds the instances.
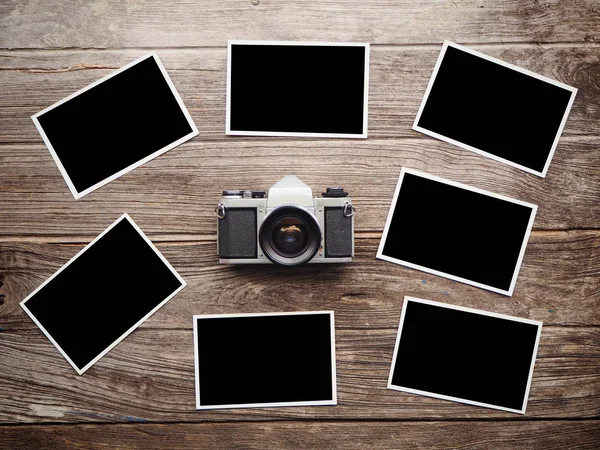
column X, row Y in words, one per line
column 290, row 235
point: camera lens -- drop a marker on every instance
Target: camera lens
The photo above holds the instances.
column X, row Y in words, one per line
column 290, row 235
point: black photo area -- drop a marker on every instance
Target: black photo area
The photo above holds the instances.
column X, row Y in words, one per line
column 495, row 109
column 103, row 293
column 457, row 231
column 264, row 359
column 465, row 355
column 297, row 88
column 115, row 124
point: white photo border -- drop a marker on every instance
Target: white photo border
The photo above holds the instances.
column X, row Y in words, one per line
column 363, row 135
column 475, row 311
column 79, row 370
column 77, row 194
column 330, row 402
column 441, row 137
column 388, row 222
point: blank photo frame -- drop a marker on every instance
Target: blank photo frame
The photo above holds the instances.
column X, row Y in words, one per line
column 464, row 355
column 103, row 293
column 264, row 360
column 305, row 89
column 493, row 108
column 456, row 231
column 114, row 125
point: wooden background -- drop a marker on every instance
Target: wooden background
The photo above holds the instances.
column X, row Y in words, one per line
column 142, row 393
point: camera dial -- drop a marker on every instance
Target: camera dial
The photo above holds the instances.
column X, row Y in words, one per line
column 334, row 192
column 233, row 193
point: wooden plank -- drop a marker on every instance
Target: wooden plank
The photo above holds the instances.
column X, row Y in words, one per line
column 31, row 81
column 138, row 23
column 295, row 435
column 558, row 284
column 149, row 376
column 36, row 199
column 177, row 192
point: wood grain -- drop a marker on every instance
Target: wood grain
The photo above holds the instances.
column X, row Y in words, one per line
column 140, row 23
column 177, row 192
column 141, row 395
column 149, row 376
column 32, row 80
column 553, row 285
column 560, row 434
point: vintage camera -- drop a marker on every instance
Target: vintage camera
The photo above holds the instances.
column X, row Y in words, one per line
column 287, row 227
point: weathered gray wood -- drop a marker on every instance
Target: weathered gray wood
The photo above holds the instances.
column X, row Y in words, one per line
column 177, row 192
column 558, row 283
column 300, row 435
column 31, row 81
column 140, row 23
column 149, row 376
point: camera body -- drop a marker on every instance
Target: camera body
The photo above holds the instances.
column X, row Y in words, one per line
column 288, row 226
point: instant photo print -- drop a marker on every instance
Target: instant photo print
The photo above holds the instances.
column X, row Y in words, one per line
column 456, row 231
column 102, row 294
column 264, row 360
column 464, row 355
column 493, row 108
column 281, row 88
column 115, row 125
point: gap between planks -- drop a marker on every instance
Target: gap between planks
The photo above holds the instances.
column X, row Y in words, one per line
column 148, row 423
column 142, row 422
column 337, row 327
column 498, row 44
